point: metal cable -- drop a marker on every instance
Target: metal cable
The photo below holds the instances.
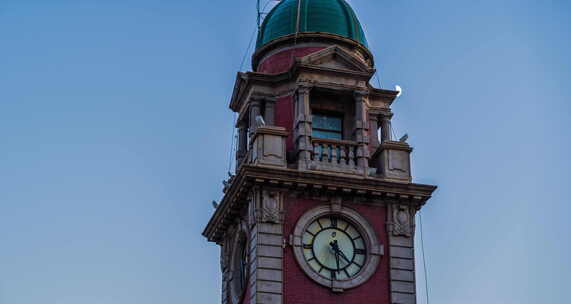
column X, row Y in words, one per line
column 423, row 258
column 233, row 139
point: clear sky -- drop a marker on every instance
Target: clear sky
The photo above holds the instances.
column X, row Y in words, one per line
column 115, row 134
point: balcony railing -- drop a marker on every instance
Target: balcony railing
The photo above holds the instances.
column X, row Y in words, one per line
column 334, row 154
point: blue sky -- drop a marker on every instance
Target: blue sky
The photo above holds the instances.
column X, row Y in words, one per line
column 115, row 134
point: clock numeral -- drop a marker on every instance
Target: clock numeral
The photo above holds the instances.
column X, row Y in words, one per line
column 356, row 238
column 319, row 223
column 307, row 246
column 360, row 251
column 333, row 275
column 334, row 222
column 346, row 272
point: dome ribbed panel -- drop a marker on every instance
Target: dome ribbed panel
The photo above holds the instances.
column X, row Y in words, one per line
column 322, row 16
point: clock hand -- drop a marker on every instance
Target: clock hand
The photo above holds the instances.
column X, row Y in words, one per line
column 343, row 256
column 338, row 253
column 335, row 248
column 337, row 259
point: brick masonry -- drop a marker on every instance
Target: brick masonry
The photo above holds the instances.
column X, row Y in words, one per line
column 300, row 289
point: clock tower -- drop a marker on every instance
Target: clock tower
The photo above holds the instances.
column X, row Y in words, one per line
column 321, row 207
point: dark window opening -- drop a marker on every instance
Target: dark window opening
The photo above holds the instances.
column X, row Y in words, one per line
column 327, row 126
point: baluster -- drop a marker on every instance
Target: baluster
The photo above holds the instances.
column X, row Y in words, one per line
column 352, row 157
column 325, row 153
column 343, row 156
column 315, row 155
column 334, row 157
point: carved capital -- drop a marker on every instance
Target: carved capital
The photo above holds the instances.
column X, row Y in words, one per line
column 360, row 94
column 386, row 116
column 304, row 88
column 257, row 100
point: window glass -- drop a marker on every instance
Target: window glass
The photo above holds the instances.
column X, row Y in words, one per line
column 327, row 122
column 327, row 126
column 325, row 134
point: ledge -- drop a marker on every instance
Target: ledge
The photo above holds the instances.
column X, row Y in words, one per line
column 294, row 180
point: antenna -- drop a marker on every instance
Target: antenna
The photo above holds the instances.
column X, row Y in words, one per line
column 259, row 12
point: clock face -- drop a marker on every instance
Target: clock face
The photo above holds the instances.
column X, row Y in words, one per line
column 334, row 248
column 242, row 267
column 239, row 269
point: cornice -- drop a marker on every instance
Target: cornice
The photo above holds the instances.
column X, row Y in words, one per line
column 244, row 81
column 294, row 180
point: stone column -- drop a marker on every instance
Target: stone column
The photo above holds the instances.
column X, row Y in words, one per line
column 269, row 113
column 386, row 127
column 242, row 143
column 374, row 130
column 255, row 110
column 360, row 130
column 302, row 126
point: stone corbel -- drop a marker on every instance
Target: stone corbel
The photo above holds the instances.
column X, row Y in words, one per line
column 336, row 204
column 272, row 207
column 401, row 220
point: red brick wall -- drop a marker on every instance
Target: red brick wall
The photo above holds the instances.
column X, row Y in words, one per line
column 300, row 289
column 282, row 61
column 278, row 63
column 284, row 118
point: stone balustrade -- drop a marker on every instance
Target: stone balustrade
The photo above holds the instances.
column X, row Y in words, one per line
column 334, row 155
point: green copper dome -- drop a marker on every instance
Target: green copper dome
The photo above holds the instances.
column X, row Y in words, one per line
column 311, row 16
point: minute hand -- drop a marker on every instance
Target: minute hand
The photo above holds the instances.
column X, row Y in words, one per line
column 341, row 254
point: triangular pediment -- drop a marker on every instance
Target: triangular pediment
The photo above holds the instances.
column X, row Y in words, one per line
column 337, row 58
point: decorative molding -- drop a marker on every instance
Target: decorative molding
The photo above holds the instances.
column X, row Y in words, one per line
column 295, row 183
column 402, row 221
column 272, row 206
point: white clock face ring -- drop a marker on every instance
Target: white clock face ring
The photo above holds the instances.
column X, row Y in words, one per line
column 336, row 248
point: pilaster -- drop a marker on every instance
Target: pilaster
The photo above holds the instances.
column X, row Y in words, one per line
column 266, row 247
column 360, row 131
column 302, row 126
column 401, row 253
